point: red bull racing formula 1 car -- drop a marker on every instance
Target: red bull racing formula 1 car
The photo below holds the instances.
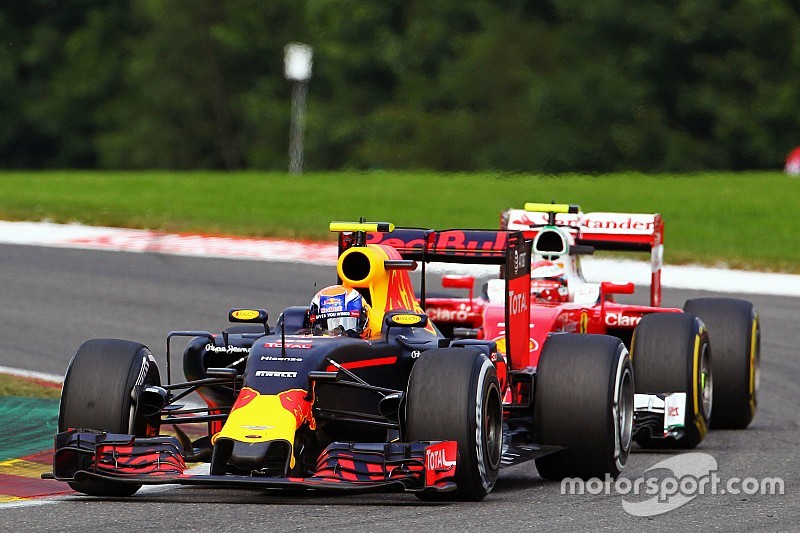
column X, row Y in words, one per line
column 675, row 352
column 357, row 392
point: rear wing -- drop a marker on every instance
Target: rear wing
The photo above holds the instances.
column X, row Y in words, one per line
column 631, row 232
column 476, row 246
column 510, row 249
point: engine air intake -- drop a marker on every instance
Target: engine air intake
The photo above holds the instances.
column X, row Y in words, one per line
column 550, row 242
column 356, row 266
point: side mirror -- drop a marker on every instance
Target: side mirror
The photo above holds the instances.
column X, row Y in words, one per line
column 452, row 281
column 609, row 287
column 248, row 316
column 405, row 319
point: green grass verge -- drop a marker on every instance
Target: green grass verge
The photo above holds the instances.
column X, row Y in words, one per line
column 26, row 388
column 740, row 220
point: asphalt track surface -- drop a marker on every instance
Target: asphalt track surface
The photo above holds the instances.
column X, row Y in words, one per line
column 53, row 299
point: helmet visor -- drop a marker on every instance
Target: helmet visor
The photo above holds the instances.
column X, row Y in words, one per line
column 346, row 322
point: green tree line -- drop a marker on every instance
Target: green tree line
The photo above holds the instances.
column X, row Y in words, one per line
column 513, row 85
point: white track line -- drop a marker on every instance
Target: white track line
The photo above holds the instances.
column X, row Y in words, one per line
column 25, row 502
column 143, row 241
column 52, row 378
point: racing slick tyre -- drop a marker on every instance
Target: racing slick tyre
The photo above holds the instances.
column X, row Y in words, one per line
column 583, row 401
column 734, row 333
column 453, row 394
column 671, row 353
column 98, row 394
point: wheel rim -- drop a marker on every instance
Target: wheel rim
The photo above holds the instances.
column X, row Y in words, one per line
column 493, row 427
column 706, row 383
column 755, row 350
column 624, row 410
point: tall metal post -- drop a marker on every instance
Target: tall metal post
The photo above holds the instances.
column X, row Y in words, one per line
column 299, row 89
column 297, row 65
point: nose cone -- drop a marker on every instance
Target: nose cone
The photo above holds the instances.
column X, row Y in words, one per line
column 259, row 432
column 271, row 458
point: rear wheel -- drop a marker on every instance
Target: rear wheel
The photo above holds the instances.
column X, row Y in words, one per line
column 584, row 402
column 454, row 394
column 671, row 354
column 98, row 393
column 734, row 333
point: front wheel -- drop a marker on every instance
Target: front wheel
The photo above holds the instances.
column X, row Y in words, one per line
column 453, row 394
column 734, row 333
column 99, row 393
column 671, row 353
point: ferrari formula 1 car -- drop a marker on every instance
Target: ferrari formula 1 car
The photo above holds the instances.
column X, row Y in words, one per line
column 673, row 350
column 391, row 406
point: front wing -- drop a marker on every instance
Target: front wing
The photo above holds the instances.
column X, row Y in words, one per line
column 342, row 467
column 659, row 415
